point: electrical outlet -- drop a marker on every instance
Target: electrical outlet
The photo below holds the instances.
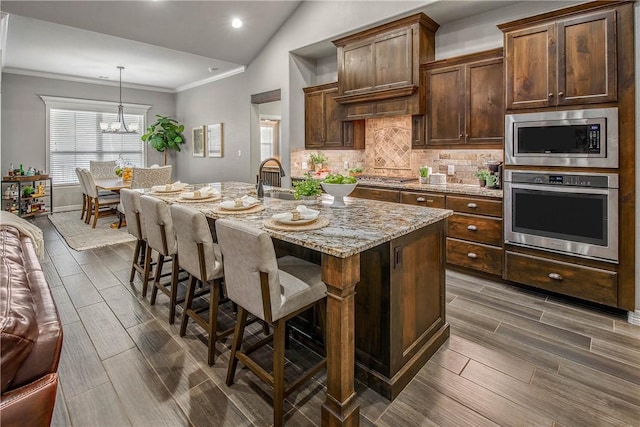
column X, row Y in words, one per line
column 239, row 153
column 346, row 165
column 451, row 170
column 304, row 165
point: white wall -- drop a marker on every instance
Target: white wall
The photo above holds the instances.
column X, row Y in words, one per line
column 23, row 120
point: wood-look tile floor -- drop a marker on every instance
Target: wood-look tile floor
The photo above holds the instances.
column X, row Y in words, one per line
column 515, row 357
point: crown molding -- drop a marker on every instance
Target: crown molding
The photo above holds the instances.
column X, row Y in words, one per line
column 77, row 79
column 211, row 79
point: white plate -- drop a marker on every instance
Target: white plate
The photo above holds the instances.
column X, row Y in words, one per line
column 237, row 208
column 208, row 196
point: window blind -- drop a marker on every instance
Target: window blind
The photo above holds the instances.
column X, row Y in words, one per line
column 75, row 139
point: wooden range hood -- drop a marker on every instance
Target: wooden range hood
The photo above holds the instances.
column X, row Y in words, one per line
column 379, row 68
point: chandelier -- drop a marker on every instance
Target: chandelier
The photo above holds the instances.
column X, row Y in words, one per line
column 119, row 126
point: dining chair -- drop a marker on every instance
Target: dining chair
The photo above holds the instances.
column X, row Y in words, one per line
column 83, row 188
column 96, row 202
column 161, row 237
column 130, row 202
column 274, row 290
column 148, row 177
column 201, row 258
column 101, row 170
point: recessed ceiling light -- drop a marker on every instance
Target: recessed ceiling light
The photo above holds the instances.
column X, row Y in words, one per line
column 236, row 23
column 104, row 77
column 212, row 69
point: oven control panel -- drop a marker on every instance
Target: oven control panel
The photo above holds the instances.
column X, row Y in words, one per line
column 563, row 179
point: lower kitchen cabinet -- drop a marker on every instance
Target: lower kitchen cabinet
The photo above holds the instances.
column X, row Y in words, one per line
column 383, row 195
column 428, row 200
column 589, row 283
column 474, row 234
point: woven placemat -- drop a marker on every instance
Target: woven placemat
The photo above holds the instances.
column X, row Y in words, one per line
column 275, row 225
column 208, row 199
column 254, row 209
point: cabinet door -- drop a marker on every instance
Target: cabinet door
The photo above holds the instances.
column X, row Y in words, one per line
column 314, row 119
column 530, row 56
column 485, row 102
column 587, row 59
column 445, row 106
column 356, row 73
column 332, row 123
column 393, row 59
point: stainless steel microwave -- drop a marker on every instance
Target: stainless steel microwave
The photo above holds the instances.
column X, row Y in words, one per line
column 579, row 138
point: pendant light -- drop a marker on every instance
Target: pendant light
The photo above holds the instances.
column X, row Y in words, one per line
column 119, row 126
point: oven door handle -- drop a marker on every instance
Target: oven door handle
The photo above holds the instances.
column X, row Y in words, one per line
column 557, row 189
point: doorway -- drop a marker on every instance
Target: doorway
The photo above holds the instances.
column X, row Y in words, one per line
column 265, row 127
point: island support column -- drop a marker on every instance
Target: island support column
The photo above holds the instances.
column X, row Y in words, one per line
column 341, row 276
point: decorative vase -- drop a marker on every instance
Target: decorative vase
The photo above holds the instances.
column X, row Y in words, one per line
column 424, row 180
column 482, row 182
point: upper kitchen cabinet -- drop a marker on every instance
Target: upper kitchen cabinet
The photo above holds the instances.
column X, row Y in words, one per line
column 561, row 60
column 379, row 68
column 323, row 127
column 465, row 101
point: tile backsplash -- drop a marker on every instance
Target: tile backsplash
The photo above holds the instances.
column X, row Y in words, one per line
column 388, row 153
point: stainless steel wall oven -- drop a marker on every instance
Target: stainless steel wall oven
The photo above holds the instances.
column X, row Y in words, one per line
column 583, row 138
column 566, row 212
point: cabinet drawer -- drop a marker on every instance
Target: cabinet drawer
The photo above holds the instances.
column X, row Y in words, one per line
column 475, row 206
column 376, row 194
column 422, row 199
column 475, row 228
column 475, row 255
column 588, row 283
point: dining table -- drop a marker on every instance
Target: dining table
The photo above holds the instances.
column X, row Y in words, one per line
column 372, row 245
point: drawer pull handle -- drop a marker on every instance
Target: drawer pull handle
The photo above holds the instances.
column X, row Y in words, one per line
column 472, row 228
column 560, row 93
column 555, row 276
column 472, row 255
column 429, row 201
column 472, row 205
column 420, row 199
column 550, row 94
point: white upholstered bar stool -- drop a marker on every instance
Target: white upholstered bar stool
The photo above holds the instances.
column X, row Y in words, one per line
column 96, row 201
column 161, row 237
column 201, row 258
column 272, row 289
column 130, row 201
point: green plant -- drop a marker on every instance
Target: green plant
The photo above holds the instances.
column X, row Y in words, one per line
column 423, row 171
column 306, row 187
column 165, row 134
column 28, row 191
column 482, row 174
column 317, row 158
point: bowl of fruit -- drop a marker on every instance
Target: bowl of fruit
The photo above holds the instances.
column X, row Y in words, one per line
column 339, row 186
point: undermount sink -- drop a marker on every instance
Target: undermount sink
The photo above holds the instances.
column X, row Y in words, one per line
column 279, row 195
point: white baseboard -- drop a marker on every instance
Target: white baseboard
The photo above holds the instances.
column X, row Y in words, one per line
column 634, row 317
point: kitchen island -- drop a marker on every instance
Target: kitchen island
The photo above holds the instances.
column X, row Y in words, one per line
column 384, row 267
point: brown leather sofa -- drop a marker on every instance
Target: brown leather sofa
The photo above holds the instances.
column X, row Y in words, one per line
column 30, row 335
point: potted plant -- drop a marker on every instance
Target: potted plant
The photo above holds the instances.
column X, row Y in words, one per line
column 355, row 171
column 482, row 175
column 28, row 191
column 307, row 190
column 317, row 159
column 424, row 174
column 165, row 134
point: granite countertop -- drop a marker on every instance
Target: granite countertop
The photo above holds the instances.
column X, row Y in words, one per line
column 362, row 225
column 462, row 189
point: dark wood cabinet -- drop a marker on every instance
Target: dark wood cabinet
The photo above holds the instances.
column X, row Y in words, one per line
column 380, row 194
column 561, row 62
column 465, row 100
column 428, row 200
column 323, row 126
column 379, row 68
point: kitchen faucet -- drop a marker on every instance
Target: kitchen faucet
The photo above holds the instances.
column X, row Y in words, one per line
column 270, row 175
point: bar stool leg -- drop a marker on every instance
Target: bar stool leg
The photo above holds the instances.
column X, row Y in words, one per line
column 213, row 319
column 147, row 271
column 279, row 334
column 156, row 279
column 175, row 268
column 241, row 322
column 187, row 304
column 136, row 254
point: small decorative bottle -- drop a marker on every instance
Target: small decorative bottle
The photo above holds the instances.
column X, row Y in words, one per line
column 21, row 170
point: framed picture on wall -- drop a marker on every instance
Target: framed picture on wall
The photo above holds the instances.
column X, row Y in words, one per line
column 214, row 140
column 199, row 141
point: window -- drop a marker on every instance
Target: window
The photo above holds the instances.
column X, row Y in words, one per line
column 269, row 130
column 74, row 137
